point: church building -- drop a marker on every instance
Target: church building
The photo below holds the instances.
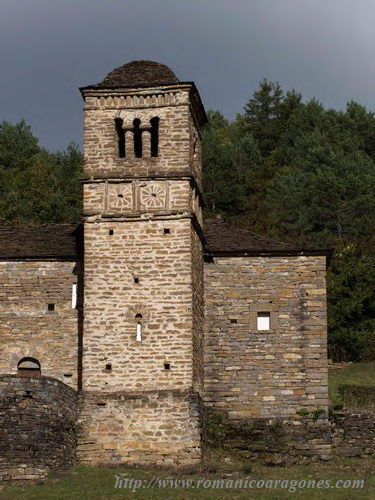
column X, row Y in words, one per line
column 145, row 314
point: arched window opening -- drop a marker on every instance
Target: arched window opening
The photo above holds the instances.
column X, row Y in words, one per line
column 121, row 137
column 154, row 136
column 29, row 366
column 137, row 138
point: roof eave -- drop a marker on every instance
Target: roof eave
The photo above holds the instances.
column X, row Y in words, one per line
column 195, row 98
column 270, row 253
column 103, row 88
column 68, row 258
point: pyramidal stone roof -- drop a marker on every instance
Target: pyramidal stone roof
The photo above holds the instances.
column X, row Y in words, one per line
column 41, row 241
column 139, row 74
column 224, row 237
column 66, row 241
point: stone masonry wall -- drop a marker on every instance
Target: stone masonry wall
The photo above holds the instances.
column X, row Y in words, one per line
column 27, row 328
column 162, row 264
column 354, row 433
column 37, row 426
column 266, row 374
column 274, row 442
column 198, row 311
column 147, row 427
column 149, row 414
column 101, row 140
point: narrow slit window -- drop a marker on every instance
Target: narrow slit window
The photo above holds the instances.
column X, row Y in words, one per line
column 138, row 336
column 74, row 296
column 154, row 136
column 137, row 138
column 264, row 321
column 120, row 136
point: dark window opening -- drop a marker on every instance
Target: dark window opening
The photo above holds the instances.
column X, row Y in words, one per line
column 136, row 280
column 154, row 136
column 108, row 366
column 137, row 132
column 101, row 404
column 121, row 137
column 167, row 366
column 233, row 320
column 167, row 230
column 29, row 366
column 51, row 307
column 110, row 232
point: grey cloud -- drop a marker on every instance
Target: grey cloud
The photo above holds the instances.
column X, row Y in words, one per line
column 48, row 48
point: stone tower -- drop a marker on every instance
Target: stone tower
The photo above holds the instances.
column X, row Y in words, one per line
column 142, row 368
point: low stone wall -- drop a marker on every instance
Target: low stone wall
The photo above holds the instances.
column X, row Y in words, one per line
column 149, row 428
column 353, row 433
column 37, row 426
column 274, row 441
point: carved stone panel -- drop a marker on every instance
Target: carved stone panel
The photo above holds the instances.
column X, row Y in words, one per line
column 153, row 196
column 120, row 198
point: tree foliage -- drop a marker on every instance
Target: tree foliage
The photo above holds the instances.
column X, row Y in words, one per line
column 37, row 186
column 305, row 174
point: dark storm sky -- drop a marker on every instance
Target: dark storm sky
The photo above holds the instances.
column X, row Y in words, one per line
column 48, row 48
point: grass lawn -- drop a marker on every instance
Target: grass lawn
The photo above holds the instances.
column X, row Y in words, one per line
column 357, row 374
column 85, row 482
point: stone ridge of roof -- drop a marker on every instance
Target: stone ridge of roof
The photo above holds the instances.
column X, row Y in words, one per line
column 227, row 239
column 41, row 241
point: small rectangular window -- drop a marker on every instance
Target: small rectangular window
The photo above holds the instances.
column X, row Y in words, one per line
column 74, row 295
column 264, row 321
